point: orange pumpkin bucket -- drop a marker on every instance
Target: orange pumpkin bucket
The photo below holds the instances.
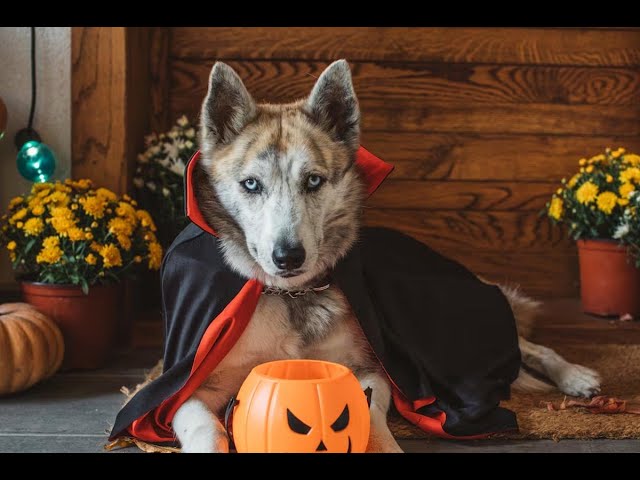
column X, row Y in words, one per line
column 299, row 406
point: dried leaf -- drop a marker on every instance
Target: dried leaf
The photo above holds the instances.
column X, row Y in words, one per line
column 599, row 404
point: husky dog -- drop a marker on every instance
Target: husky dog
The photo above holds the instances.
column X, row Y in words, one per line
column 278, row 182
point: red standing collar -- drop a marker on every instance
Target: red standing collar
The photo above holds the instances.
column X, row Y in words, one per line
column 373, row 169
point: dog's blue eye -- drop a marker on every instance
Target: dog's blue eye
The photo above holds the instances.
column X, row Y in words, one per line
column 314, row 182
column 252, row 185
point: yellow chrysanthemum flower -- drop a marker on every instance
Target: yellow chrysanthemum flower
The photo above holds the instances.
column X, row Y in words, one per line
column 607, row 202
column 609, row 178
column 39, row 187
column 125, row 242
column 19, row 215
column 82, row 184
column 155, row 255
column 572, row 182
column 91, row 259
column 88, row 236
column 43, row 193
column 618, row 152
column 625, row 189
column 556, row 208
column 94, row 224
column 632, row 159
column 94, row 206
column 57, row 198
column 62, row 220
column 37, row 210
column 587, row 192
column 582, row 162
column 33, row 227
column 51, row 242
column 19, row 224
column 106, row 194
column 150, row 237
column 120, row 226
column 127, row 211
column 11, row 246
column 111, row 256
column 623, row 202
column 590, row 169
column 95, row 246
column 75, row 234
column 631, row 174
column 49, row 255
column 15, row 202
column 146, row 220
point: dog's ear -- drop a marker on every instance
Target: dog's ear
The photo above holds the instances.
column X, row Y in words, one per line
column 334, row 106
column 227, row 108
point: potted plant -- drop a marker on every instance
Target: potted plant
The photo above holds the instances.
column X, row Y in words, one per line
column 159, row 178
column 70, row 245
column 599, row 205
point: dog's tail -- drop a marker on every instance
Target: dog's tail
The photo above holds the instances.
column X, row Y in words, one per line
column 525, row 310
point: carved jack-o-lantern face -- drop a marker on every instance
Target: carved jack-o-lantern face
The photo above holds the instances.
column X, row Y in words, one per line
column 301, row 406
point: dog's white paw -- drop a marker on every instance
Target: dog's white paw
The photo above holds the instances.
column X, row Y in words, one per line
column 204, row 440
column 577, row 380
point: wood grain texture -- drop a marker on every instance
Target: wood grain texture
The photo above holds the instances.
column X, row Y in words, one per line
column 447, row 97
column 456, row 195
column 501, row 157
column 159, row 78
column 99, row 90
column 473, row 231
column 139, row 99
column 469, row 45
column 435, row 84
column 111, row 88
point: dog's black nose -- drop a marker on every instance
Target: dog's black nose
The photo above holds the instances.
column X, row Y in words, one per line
column 288, row 257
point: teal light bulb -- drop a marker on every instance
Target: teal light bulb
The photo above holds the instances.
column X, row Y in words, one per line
column 36, row 162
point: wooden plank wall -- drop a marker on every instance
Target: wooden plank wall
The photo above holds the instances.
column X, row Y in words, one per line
column 480, row 122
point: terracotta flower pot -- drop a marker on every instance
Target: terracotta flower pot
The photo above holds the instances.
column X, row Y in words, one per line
column 609, row 280
column 88, row 322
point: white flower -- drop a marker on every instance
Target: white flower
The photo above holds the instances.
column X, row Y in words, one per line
column 180, row 144
column 183, row 121
column 173, row 134
column 171, row 149
column 154, row 150
column 163, row 161
column 189, row 144
column 151, row 186
column 190, row 133
column 165, row 191
column 142, row 158
column 177, row 167
column 138, row 182
column 622, row 231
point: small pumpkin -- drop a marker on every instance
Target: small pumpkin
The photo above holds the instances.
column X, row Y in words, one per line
column 31, row 347
column 301, row 406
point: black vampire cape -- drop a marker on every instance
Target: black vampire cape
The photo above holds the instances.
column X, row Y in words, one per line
column 446, row 340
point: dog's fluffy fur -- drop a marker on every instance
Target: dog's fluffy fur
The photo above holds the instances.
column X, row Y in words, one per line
column 258, row 186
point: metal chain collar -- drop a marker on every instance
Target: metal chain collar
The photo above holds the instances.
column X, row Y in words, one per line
column 293, row 293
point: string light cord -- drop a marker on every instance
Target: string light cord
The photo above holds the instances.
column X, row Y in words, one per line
column 33, row 78
column 26, row 134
